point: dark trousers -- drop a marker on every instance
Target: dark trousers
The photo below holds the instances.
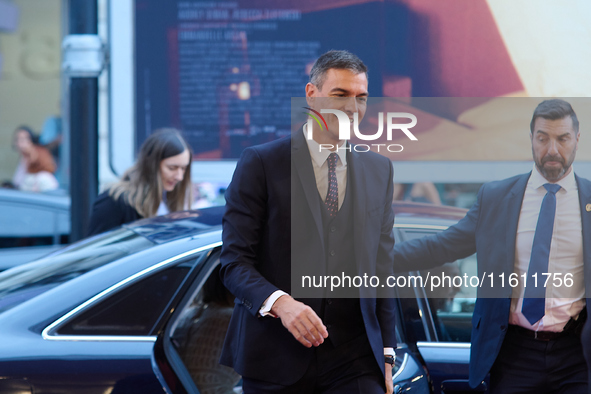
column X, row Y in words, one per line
column 527, row 365
column 350, row 368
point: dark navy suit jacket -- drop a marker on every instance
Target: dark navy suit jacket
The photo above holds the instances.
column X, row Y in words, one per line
column 488, row 229
column 261, row 238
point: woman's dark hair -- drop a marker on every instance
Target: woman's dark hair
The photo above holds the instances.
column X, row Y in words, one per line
column 141, row 185
column 34, row 137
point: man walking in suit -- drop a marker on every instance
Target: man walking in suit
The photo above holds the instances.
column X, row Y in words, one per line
column 530, row 225
column 342, row 221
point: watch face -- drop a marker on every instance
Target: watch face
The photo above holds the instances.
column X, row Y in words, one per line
column 389, row 359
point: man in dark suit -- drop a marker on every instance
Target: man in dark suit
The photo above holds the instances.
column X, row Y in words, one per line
column 291, row 202
column 528, row 337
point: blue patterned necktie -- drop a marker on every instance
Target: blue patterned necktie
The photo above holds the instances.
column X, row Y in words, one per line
column 332, row 196
column 534, row 298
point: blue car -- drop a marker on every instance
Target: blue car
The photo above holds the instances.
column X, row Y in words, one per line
column 141, row 309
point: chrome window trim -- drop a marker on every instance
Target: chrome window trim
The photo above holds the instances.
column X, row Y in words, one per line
column 444, row 345
column 176, row 322
column 402, row 367
column 48, row 335
column 101, row 338
column 421, row 226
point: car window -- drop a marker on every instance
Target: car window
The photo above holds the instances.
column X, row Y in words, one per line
column 24, row 282
column 135, row 309
column 452, row 306
column 449, row 307
column 199, row 333
column 414, row 327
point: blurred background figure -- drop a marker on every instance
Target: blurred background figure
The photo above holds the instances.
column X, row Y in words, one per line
column 36, row 167
column 158, row 183
column 418, row 192
column 51, row 138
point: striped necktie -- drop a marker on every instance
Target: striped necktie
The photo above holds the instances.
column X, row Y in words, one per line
column 332, row 196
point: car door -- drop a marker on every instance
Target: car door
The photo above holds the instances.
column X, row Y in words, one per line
column 188, row 350
column 438, row 320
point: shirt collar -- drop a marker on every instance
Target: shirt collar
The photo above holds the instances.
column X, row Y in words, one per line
column 568, row 183
column 319, row 156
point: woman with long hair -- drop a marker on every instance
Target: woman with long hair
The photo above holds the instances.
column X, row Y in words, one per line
column 36, row 167
column 158, row 183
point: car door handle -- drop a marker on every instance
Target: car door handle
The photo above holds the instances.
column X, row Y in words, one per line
column 460, row 385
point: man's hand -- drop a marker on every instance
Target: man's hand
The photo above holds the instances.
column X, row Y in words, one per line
column 389, row 383
column 300, row 320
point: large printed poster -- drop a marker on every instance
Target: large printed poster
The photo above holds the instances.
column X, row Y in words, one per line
column 224, row 72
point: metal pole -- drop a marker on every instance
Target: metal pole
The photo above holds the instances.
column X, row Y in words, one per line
column 83, row 19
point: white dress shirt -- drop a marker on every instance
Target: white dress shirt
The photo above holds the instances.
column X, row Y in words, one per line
column 566, row 253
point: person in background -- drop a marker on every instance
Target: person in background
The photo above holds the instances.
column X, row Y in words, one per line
column 36, row 167
column 158, row 183
column 51, row 135
column 51, row 138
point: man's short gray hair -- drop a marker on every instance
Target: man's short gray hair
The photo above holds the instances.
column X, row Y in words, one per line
column 342, row 60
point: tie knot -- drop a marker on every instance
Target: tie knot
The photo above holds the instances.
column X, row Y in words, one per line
column 552, row 187
column 332, row 161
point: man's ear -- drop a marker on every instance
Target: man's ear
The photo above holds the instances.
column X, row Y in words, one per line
column 311, row 92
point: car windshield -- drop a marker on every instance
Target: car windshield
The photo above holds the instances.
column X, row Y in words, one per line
column 24, row 282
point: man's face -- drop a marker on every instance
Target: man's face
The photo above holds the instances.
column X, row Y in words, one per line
column 554, row 145
column 343, row 90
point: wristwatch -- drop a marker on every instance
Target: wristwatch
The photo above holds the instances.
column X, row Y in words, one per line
column 389, row 359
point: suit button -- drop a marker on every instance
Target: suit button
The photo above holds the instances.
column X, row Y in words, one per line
column 328, row 326
column 329, row 301
column 333, row 229
column 332, row 252
column 503, row 327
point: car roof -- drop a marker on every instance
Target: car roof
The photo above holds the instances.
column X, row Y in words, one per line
column 177, row 225
column 409, row 210
column 426, row 216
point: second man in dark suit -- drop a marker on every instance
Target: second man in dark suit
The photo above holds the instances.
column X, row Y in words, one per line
column 530, row 225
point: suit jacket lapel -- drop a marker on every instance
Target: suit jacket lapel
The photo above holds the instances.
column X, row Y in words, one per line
column 584, row 187
column 302, row 171
column 514, row 200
